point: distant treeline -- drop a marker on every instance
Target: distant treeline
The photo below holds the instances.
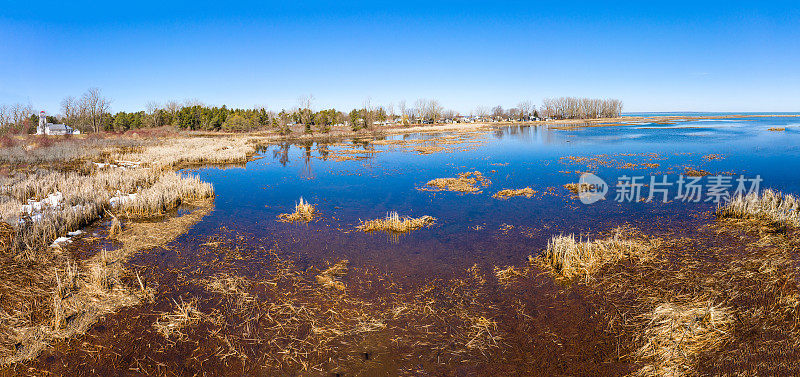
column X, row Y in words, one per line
column 91, row 113
column 580, row 108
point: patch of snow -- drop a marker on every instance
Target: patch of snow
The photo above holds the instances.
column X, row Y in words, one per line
column 120, row 198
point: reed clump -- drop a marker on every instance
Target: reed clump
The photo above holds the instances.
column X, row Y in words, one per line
column 393, row 223
column 115, row 228
column 465, row 182
column 508, row 193
column 570, row 257
column 677, row 334
column 303, row 212
column 770, row 206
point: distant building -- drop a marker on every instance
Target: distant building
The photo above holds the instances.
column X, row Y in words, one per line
column 45, row 128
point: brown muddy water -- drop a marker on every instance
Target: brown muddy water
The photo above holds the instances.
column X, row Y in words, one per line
column 433, row 301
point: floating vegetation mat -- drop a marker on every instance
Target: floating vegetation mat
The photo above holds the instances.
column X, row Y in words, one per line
column 465, row 182
column 617, row 161
column 508, row 193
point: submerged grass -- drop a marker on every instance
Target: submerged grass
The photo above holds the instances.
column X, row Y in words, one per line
column 173, row 323
column 676, row 335
column 393, row 223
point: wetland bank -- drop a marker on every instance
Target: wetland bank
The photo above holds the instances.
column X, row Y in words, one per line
column 414, row 253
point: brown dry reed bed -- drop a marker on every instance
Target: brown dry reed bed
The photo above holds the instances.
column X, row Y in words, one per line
column 303, row 212
column 570, row 257
column 771, row 206
column 465, row 182
column 84, row 198
column 53, row 297
column 394, row 223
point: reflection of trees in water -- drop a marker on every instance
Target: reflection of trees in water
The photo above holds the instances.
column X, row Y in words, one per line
column 307, row 172
column 535, row 134
column 281, row 153
column 323, row 151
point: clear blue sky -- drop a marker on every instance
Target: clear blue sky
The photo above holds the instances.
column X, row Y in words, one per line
column 655, row 56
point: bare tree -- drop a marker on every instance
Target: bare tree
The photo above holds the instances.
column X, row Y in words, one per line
column 481, row 112
column 369, row 113
column 153, row 114
column 70, row 111
column 581, row 108
column 94, row 108
column 526, row 109
column 403, row 114
column 5, row 116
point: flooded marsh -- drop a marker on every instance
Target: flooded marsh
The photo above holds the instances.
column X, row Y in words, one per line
column 407, row 263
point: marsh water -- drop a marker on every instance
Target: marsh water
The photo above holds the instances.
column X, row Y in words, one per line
column 470, row 229
column 475, row 227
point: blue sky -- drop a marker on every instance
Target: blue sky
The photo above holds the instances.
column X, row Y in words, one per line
column 655, row 56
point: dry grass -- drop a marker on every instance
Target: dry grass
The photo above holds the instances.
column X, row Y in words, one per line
column 174, row 152
column 46, row 205
column 677, row 334
column 115, row 228
column 770, row 206
column 507, row 275
column 577, row 188
column 77, row 294
column 393, row 223
column 570, row 258
column 508, row 193
column 466, row 182
column 331, row 276
column 303, row 211
column 692, row 172
column 173, row 323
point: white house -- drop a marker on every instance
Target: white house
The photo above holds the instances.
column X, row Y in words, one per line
column 53, row 129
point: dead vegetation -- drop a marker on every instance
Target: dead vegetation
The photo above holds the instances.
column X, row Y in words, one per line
column 574, row 258
column 694, row 172
column 61, row 298
column 465, row 182
column 173, row 323
column 393, row 223
column 47, row 205
column 508, row 193
column 303, row 212
column 577, row 188
column 331, row 277
column 676, row 336
column 775, row 208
